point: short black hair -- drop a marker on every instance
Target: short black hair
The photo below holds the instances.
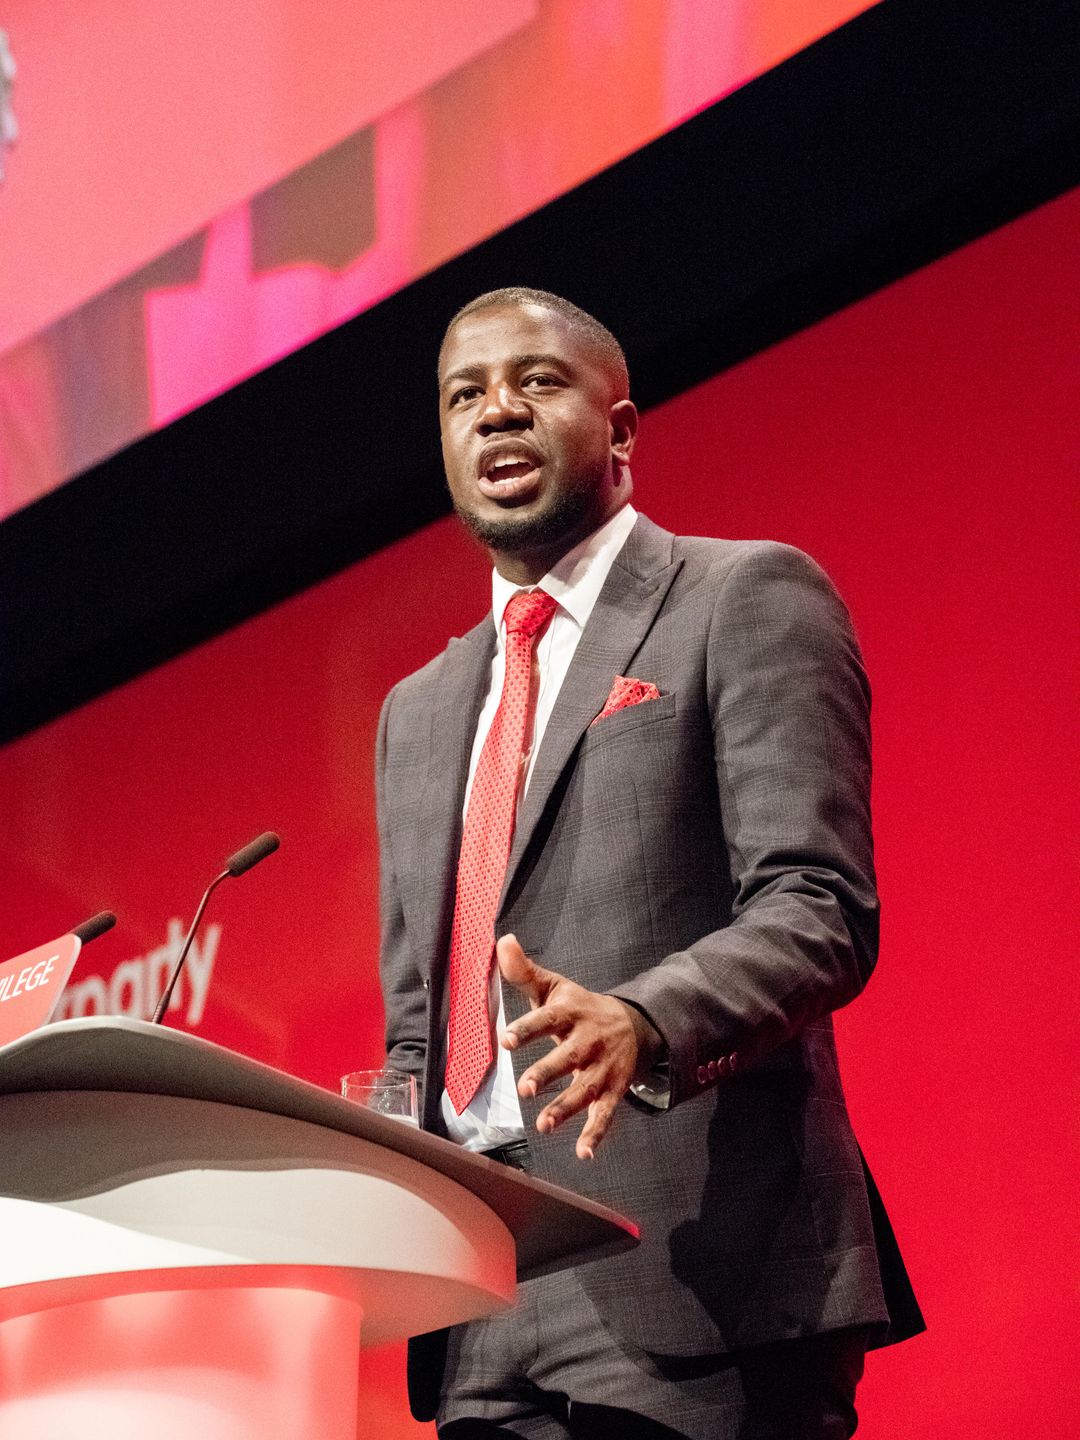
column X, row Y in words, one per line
column 599, row 336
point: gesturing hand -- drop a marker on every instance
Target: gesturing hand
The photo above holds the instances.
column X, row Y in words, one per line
column 599, row 1040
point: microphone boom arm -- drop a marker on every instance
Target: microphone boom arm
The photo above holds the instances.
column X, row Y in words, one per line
column 163, row 1003
column 249, row 855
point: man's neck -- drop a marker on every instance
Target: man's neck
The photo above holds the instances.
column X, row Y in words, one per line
column 528, row 567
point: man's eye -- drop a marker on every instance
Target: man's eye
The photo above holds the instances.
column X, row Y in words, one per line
column 542, row 380
column 466, row 392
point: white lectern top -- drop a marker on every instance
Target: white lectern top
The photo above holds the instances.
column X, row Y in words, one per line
column 161, row 1149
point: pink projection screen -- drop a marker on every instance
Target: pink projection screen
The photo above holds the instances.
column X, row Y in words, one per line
column 195, row 193
column 922, row 445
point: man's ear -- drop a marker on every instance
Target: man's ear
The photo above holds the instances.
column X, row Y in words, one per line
column 623, row 418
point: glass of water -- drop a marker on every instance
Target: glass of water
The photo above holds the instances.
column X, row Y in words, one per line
column 390, row 1092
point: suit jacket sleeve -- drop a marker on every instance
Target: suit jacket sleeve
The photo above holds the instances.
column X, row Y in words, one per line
column 789, row 710
column 404, row 996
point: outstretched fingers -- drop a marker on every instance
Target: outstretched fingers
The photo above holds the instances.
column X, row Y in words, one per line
column 601, row 1114
column 597, row 1039
column 588, row 1092
column 565, row 1059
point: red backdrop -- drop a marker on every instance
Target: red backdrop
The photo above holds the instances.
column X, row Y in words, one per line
column 923, row 445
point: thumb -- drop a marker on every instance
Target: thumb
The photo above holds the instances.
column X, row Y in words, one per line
column 516, row 968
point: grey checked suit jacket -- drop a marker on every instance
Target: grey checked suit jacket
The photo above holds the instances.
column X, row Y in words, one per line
column 706, row 856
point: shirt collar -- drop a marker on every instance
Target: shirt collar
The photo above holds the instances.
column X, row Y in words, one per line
column 577, row 579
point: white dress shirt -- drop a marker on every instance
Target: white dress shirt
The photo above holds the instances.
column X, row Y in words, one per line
column 493, row 1117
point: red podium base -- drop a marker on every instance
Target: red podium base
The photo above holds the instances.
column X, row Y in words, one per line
column 216, row 1364
column 194, row 1246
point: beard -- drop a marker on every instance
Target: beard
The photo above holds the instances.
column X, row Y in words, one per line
column 568, row 516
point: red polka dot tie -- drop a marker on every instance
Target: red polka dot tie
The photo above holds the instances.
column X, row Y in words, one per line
column 485, row 849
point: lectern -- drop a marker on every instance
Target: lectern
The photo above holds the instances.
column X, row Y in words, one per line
column 193, row 1244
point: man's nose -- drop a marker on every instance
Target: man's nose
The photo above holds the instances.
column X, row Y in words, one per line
column 504, row 408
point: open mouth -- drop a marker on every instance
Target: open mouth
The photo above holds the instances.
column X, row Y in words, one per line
column 511, row 475
column 500, row 471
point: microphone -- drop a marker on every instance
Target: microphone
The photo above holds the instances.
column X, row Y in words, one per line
column 244, row 858
column 256, row 850
column 95, row 926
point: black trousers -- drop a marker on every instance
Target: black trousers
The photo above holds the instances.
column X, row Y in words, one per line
column 550, row 1369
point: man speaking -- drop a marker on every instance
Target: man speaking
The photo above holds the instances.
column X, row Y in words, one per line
column 626, row 876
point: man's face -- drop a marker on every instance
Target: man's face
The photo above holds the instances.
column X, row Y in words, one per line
column 533, row 435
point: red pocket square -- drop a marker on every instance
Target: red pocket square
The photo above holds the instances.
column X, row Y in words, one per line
column 627, row 691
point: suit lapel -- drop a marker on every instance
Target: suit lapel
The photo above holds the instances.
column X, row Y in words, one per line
column 461, row 685
column 624, row 612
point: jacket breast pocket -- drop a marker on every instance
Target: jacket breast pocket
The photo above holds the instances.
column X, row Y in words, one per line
column 612, row 728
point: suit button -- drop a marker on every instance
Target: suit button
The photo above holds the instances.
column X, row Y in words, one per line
column 733, row 1060
column 702, row 1074
column 721, row 1066
column 711, row 1067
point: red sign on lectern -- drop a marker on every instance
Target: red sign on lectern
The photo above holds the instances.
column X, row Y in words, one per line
column 31, row 984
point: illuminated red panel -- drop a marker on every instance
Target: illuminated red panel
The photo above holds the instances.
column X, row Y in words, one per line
column 923, row 445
